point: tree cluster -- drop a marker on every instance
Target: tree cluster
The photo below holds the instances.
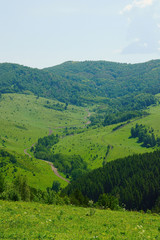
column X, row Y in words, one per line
column 145, row 136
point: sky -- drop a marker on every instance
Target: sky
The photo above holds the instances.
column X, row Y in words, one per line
column 44, row 33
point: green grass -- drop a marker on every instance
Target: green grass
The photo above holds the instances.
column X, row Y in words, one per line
column 39, row 174
column 24, row 119
column 19, row 220
column 92, row 144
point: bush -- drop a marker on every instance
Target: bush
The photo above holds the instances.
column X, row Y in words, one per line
column 108, row 201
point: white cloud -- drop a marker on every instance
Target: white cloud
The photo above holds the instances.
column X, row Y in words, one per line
column 137, row 4
column 143, row 33
column 143, row 3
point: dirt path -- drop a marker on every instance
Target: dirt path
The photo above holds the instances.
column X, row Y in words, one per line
column 25, row 150
column 56, row 172
column 50, row 132
column 50, row 163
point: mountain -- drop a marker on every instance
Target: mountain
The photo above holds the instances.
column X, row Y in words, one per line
column 109, row 79
column 83, row 82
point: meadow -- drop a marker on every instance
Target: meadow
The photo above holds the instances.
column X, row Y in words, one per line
column 24, row 118
column 92, row 144
column 21, row 220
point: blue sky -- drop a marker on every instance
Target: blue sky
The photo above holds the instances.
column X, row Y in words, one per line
column 43, row 33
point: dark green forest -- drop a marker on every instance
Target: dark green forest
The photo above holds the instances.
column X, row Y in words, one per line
column 133, row 180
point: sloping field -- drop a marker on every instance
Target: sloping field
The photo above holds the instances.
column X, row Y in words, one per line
column 37, row 221
column 93, row 144
column 24, row 118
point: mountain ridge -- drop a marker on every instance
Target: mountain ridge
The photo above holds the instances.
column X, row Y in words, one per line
column 82, row 82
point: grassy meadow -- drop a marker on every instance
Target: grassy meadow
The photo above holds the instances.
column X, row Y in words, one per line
column 92, row 144
column 38, row 173
column 24, row 118
column 21, row 220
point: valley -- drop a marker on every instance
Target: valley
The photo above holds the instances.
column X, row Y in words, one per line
column 67, row 146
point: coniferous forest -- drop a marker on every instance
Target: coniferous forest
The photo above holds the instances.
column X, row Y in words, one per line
column 134, row 181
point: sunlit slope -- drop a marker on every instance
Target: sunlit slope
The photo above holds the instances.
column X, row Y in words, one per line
column 24, row 118
column 39, row 174
column 92, row 145
column 20, row 220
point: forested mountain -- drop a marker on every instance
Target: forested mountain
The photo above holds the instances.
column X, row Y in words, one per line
column 109, row 79
column 83, row 82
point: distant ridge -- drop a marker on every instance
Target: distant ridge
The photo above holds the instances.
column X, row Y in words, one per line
column 82, row 82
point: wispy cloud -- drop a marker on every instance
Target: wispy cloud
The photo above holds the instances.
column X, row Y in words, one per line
column 136, row 4
column 143, row 33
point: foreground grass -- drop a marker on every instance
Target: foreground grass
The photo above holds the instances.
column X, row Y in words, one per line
column 19, row 220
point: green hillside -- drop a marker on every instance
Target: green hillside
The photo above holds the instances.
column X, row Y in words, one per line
column 92, row 109
column 25, row 118
column 82, row 82
column 93, row 144
column 38, row 221
column 38, row 173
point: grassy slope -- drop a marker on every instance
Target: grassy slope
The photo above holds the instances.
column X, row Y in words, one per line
column 92, row 144
column 37, row 221
column 23, row 120
column 39, row 174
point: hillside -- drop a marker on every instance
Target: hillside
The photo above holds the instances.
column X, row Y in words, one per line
column 38, row 221
column 109, row 101
column 109, row 79
column 82, row 82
